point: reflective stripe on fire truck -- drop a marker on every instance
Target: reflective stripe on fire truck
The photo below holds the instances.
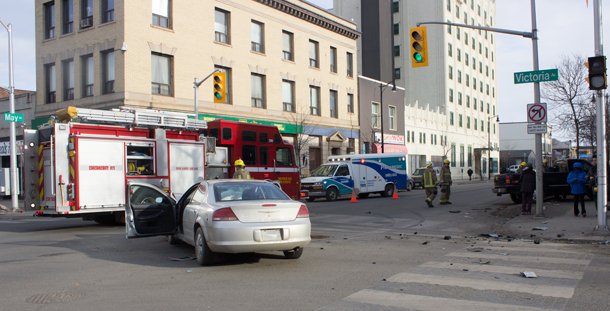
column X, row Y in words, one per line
column 40, row 175
column 72, row 179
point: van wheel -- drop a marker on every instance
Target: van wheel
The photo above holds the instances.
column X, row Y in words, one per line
column 516, row 198
column 389, row 190
column 332, row 194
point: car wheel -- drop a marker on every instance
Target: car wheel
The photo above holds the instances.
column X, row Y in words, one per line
column 516, row 198
column 294, row 254
column 409, row 186
column 332, row 194
column 389, row 190
column 203, row 253
column 173, row 240
column 311, row 199
column 363, row 195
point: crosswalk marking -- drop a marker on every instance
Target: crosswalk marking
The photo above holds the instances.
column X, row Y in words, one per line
column 553, row 260
column 426, row 303
column 562, row 274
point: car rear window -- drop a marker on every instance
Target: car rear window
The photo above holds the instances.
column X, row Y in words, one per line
column 245, row 191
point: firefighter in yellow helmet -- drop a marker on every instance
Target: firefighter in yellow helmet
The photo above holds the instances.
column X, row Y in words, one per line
column 520, row 169
column 240, row 170
column 445, row 183
column 429, row 181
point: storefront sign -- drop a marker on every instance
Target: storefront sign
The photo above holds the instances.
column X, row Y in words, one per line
column 5, row 148
column 390, row 139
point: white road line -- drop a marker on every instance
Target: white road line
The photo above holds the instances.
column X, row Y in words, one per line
column 528, row 249
column 561, row 274
column 426, row 303
column 542, row 290
column 553, row 260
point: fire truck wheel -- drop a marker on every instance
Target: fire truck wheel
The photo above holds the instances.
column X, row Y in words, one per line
column 332, row 194
column 204, row 254
column 104, row 219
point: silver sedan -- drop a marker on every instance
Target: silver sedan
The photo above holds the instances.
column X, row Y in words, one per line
column 221, row 216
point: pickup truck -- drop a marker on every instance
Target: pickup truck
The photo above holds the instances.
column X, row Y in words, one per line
column 554, row 181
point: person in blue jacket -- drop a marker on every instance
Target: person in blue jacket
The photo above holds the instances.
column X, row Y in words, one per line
column 578, row 182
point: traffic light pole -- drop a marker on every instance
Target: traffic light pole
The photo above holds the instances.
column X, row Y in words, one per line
column 538, row 137
column 196, row 87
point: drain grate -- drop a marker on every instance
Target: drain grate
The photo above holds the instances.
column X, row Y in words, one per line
column 48, row 298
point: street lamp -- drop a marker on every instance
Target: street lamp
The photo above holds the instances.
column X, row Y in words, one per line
column 382, row 88
column 489, row 144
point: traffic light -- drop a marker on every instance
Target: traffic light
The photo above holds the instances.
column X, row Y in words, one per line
column 419, row 47
column 220, row 87
column 597, row 73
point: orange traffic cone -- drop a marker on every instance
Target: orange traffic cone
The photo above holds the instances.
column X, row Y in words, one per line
column 353, row 197
column 395, row 196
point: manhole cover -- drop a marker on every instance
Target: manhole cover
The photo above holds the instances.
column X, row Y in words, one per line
column 54, row 297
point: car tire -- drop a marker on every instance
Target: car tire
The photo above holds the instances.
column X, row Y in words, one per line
column 516, row 198
column 203, row 254
column 363, row 195
column 332, row 194
column 294, row 254
column 173, row 240
column 311, row 199
column 388, row 191
column 409, row 186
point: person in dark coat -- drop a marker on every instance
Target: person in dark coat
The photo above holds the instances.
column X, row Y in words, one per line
column 577, row 179
column 592, row 179
column 470, row 173
column 528, row 185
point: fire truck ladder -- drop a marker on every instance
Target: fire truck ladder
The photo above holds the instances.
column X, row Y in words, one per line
column 134, row 117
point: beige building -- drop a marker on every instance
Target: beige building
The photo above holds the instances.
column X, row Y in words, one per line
column 282, row 58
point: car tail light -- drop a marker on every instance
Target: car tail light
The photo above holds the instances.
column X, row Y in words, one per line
column 224, row 214
column 507, row 179
column 303, row 212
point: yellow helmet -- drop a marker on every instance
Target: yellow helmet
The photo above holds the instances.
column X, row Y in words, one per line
column 239, row 162
column 430, row 164
column 523, row 164
column 446, row 161
column 544, row 161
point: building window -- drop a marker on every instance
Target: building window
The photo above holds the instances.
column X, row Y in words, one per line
column 482, row 126
column 487, row 108
column 457, row 33
column 459, row 76
column 333, row 104
column 479, row 10
column 449, row 5
column 474, row 63
column 468, row 122
column 450, row 49
column 288, row 95
column 465, row 18
column 450, row 95
column 49, row 20
column 486, row 71
column 466, row 59
column 473, row 45
column 314, row 100
column 395, row 7
column 467, row 101
column 392, row 114
column 459, row 55
column 375, row 115
column 350, row 64
column 476, row 122
column 493, row 89
column 228, row 83
column 451, row 118
column 474, row 102
column 420, row 137
column 493, row 74
column 50, row 83
column 465, row 37
column 350, row 103
column 257, row 84
column 488, row 126
column 460, row 98
column 68, row 16
column 88, row 75
column 68, row 79
column 221, row 26
column 108, row 72
column 487, row 89
column 467, row 80
column 469, row 156
column 492, row 56
column 162, row 73
column 257, row 37
column 161, row 13
column 86, row 14
column 457, row 11
column 313, row 54
column 333, row 59
column 453, row 155
column 462, row 163
column 396, row 29
column 396, row 73
column 480, row 67
column 460, row 120
column 107, row 11
column 481, row 104
column 450, row 73
column 474, row 83
column 481, row 86
column 486, row 52
column 449, row 27
column 287, row 45
column 397, row 50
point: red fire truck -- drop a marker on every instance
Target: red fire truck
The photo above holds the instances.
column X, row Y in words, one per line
column 80, row 168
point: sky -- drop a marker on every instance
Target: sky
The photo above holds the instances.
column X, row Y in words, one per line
column 565, row 28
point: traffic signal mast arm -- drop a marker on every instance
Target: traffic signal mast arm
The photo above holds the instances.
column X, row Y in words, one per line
column 500, row 30
column 196, row 87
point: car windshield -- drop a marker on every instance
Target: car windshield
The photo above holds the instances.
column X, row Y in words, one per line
column 419, row 171
column 247, row 191
column 324, row 170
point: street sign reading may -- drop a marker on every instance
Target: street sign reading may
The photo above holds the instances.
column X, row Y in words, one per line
column 536, row 76
column 13, row 117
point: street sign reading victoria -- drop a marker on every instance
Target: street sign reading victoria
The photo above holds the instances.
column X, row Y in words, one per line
column 536, row 76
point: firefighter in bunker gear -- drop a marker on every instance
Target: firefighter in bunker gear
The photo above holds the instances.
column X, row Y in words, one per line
column 445, row 183
column 240, row 170
column 429, row 181
column 520, row 169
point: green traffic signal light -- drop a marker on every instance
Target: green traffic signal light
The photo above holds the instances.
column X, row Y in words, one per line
column 220, row 87
column 419, row 47
column 417, row 57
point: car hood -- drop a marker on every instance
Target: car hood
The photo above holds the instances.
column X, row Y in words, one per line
column 311, row 180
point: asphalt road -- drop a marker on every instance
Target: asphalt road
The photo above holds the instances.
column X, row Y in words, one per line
column 377, row 254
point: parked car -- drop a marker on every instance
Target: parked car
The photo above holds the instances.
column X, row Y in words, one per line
column 417, row 175
column 221, row 216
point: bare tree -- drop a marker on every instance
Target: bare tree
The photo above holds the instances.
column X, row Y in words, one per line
column 304, row 126
column 508, row 147
column 569, row 97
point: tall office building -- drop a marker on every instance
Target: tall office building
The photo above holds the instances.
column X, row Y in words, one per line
column 451, row 104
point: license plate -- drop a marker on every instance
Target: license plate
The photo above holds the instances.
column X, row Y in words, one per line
column 271, row 235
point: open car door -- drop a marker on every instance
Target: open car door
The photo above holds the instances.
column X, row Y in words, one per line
column 148, row 211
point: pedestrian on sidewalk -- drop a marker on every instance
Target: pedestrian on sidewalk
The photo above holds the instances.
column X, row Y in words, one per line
column 528, row 185
column 592, row 178
column 445, row 183
column 429, row 181
column 577, row 180
column 470, row 173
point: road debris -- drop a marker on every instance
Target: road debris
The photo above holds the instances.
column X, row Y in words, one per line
column 484, row 262
column 529, row 274
column 183, row 258
column 559, row 235
column 425, row 243
column 455, row 212
column 475, row 249
column 537, row 241
column 388, row 237
column 447, row 237
column 540, row 228
column 504, row 254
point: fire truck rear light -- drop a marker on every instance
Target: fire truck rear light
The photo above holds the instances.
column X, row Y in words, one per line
column 303, row 212
column 302, row 194
column 32, row 205
column 71, row 203
column 266, row 175
column 224, row 214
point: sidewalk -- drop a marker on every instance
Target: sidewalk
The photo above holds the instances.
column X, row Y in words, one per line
column 560, row 223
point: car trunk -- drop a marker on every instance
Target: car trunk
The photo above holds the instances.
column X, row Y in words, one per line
column 268, row 211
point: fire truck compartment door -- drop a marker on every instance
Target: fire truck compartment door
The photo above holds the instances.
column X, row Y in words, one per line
column 101, row 177
column 149, row 211
column 186, row 161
